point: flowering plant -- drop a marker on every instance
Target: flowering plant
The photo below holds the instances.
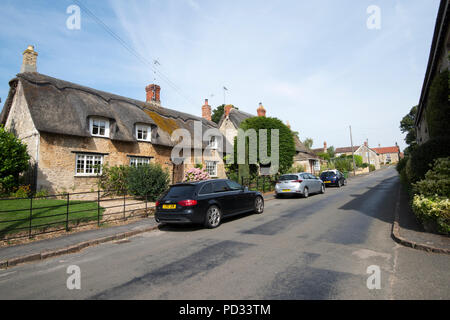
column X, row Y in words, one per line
column 196, row 174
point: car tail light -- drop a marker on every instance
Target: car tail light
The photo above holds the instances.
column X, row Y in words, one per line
column 187, row 203
column 300, row 181
column 157, row 203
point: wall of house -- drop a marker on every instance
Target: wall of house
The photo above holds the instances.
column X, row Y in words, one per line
column 372, row 158
column 21, row 124
column 384, row 159
column 57, row 163
column 228, row 130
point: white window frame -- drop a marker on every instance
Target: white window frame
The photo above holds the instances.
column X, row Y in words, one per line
column 87, row 162
column 137, row 161
column 211, row 168
column 93, row 121
column 144, row 128
column 212, row 144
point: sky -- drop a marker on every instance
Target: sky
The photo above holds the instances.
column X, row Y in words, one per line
column 315, row 64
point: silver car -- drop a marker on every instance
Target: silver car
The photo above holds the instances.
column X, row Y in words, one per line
column 299, row 183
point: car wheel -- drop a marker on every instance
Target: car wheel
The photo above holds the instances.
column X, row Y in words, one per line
column 213, row 217
column 322, row 189
column 259, row 205
column 339, row 184
column 305, row 193
column 345, row 182
column 277, row 195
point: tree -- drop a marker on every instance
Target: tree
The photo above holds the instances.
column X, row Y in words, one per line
column 13, row 160
column 330, row 151
column 407, row 126
column 218, row 113
column 308, row 142
column 286, row 139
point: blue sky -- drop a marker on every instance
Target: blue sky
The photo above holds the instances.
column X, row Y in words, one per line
column 313, row 63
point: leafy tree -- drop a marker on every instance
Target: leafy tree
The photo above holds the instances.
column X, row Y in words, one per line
column 308, row 142
column 407, row 126
column 218, row 113
column 286, row 139
column 13, row 160
column 330, row 151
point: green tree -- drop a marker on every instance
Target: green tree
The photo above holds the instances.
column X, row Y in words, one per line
column 308, row 142
column 218, row 113
column 149, row 180
column 330, row 152
column 13, row 160
column 286, row 139
column 407, row 126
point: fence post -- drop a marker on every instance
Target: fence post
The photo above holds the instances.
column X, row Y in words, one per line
column 98, row 208
column 31, row 215
column 67, row 213
column 124, row 195
column 146, row 212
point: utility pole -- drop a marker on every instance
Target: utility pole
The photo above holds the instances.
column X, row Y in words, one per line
column 353, row 154
column 368, row 154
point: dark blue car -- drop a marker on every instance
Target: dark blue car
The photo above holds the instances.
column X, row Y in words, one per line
column 333, row 178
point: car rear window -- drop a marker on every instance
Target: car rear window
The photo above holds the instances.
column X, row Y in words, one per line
column 207, row 188
column 182, row 191
column 328, row 174
column 289, row 177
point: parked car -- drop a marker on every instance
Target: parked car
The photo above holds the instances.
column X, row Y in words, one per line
column 333, row 178
column 299, row 184
column 206, row 202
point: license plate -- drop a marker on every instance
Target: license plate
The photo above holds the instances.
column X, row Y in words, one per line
column 169, row 206
column 286, row 190
column 327, row 181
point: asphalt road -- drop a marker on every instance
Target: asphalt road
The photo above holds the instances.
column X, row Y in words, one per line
column 315, row 248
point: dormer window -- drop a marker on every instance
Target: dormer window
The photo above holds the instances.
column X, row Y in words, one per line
column 143, row 133
column 212, row 142
column 99, row 127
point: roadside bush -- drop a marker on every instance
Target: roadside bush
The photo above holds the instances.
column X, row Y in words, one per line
column 22, row 192
column 423, row 156
column 196, row 174
column 437, row 180
column 147, row 180
column 296, row 169
column 114, row 179
column 343, row 164
column 433, row 210
column 371, row 168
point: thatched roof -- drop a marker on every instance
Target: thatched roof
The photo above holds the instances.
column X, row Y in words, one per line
column 62, row 107
column 236, row 117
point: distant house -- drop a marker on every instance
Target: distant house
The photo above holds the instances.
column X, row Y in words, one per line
column 438, row 62
column 232, row 119
column 369, row 155
column 70, row 129
column 388, row 155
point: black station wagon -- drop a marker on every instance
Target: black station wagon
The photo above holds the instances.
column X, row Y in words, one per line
column 206, row 202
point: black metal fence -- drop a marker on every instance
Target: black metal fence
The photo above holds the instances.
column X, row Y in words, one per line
column 35, row 215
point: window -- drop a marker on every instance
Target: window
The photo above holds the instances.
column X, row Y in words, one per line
column 139, row 161
column 234, row 185
column 212, row 142
column 143, row 133
column 207, row 188
column 99, row 127
column 211, row 168
column 88, row 164
column 220, row 186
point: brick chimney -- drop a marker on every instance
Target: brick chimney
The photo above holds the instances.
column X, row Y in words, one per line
column 324, row 147
column 288, row 124
column 261, row 111
column 29, row 60
column 365, row 143
column 153, row 94
column 206, row 111
column 227, row 109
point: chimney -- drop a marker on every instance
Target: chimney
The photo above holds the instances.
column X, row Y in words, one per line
column 324, row 147
column 227, row 109
column 365, row 143
column 206, row 111
column 261, row 111
column 288, row 124
column 153, row 94
column 29, row 60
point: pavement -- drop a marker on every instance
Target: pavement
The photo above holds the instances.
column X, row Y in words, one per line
column 406, row 231
column 322, row 247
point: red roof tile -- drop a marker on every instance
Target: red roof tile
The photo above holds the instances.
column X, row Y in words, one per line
column 383, row 150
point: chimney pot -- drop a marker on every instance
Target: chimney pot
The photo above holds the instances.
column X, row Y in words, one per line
column 206, row 111
column 227, row 109
column 29, row 60
column 153, row 94
column 261, row 111
column 325, row 147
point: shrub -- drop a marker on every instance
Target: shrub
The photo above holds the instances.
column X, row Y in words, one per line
column 13, row 160
column 42, row 193
column 372, row 168
column 296, row 169
column 423, row 156
column 433, row 209
column 147, row 180
column 343, row 164
column 196, row 174
column 114, row 179
column 22, row 192
column 437, row 111
column 437, row 180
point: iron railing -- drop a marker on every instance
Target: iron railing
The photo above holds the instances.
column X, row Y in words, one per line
column 36, row 215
